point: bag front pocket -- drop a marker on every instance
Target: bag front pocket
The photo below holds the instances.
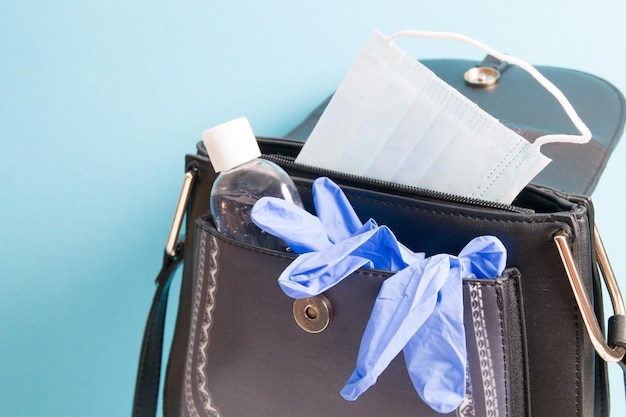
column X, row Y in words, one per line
column 247, row 355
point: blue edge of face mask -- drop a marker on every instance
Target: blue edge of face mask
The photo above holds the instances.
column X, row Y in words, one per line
column 419, row 310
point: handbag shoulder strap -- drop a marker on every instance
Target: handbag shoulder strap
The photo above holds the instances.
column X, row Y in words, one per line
column 149, row 370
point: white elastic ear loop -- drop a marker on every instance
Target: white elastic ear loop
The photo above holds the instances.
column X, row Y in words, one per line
column 551, row 88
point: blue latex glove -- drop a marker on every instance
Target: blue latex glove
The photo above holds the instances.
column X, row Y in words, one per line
column 418, row 310
column 300, row 230
column 339, row 218
column 314, row 272
column 438, row 375
column 333, row 245
column 334, row 210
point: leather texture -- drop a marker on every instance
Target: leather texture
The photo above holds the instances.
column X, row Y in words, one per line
column 519, row 102
column 560, row 360
column 247, row 356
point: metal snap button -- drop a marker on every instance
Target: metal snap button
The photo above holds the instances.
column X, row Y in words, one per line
column 313, row 314
column 482, row 76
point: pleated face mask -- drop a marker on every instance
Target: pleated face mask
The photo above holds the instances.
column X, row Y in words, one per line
column 393, row 119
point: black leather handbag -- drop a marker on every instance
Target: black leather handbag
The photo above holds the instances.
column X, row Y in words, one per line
column 534, row 335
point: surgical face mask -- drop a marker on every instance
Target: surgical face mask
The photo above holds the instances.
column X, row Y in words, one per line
column 393, row 119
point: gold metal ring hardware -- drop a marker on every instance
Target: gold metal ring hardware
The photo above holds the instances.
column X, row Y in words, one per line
column 181, row 207
column 582, row 299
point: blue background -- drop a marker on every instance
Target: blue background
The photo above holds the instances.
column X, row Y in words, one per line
column 100, row 100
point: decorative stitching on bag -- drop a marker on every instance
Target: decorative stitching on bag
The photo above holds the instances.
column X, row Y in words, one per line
column 351, row 195
column 200, row 364
column 578, row 381
column 467, row 407
column 576, row 320
column 189, row 402
column 206, row 326
column 484, row 352
column 549, row 220
column 522, row 327
column 504, row 353
column 207, row 228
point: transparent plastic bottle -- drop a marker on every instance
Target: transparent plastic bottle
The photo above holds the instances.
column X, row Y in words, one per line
column 243, row 179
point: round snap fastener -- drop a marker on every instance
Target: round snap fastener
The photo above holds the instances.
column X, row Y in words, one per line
column 482, row 76
column 313, row 314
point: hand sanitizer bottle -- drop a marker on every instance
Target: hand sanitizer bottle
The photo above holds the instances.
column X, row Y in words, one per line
column 243, row 179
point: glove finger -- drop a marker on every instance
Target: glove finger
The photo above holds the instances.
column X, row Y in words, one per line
column 436, row 355
column 483, row 257
column 312, row 273
column 302, row 231
column 404, row 303
column 385, row 252
column 334, row 210
column 315, row 272
column 317, row 280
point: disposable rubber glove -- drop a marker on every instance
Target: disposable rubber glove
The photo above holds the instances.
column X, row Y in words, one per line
column 419, row 310
column 339, row 218
column 333, row 245
column 300, row 230
column 314, row 272
column 334, row 210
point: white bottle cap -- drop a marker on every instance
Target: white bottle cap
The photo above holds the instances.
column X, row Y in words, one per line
column 231, row 144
